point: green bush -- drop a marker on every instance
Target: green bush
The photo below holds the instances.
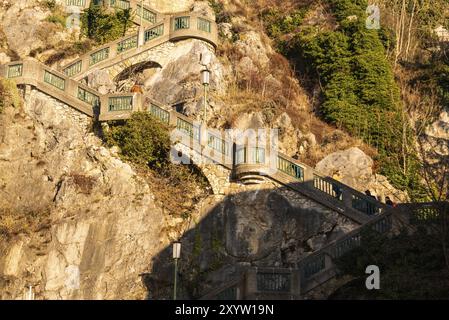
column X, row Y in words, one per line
column 57, row 18
column 359, row 92
column 277, row 23
column 221, row 15
column 143, row 140
column 103, row 27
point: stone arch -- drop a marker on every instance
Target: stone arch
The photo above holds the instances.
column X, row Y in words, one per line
column 217, row 175
column 156, row 55
column 136, row 68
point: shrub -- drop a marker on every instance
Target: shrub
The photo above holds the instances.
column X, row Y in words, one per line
column 103, row 27
column 57, row 19
column 142, row 139
column 220, row 14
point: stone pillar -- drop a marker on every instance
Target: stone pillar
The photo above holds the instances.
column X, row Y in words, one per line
column 203, row 135
column 250, row 284
column 141, row 36
column 347, row 198
column 296, row 283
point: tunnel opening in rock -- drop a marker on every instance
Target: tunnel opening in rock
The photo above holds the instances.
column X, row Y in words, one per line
column 136, row 74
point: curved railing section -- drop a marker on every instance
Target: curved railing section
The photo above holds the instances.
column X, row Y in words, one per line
column 163, row 28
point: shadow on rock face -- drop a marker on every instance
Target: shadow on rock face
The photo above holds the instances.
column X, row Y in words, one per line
column 263, row 228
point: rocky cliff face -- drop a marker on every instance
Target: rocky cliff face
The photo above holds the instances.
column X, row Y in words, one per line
column 87, row 226
column 96, row 226
column 102, row 224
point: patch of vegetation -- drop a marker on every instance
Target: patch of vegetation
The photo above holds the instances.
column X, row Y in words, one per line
column 412, row 266
column 77, row 48
column 57, row 19
column 102, row 27
column 278, row 24
column 358, row 89
column 13, row 223
column 221, row 15
column 145, row 142
column 57, row 16
column 9, row 95
column 143, row 139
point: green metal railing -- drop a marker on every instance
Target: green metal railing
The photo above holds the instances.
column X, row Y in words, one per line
column 256, row 155
column 88, row 97
column 364, row 205
column 189, row 128
column 127, row 44
column 147, row 14
column 273, row 282
column 120, row 103
column 217, row 144
column 181, row 23
column 73, row 69
column 121, row 4
column 160, row 113
column 54, row 80
column 314, row 265
column 290, row 168
column 15, row 71
column 79, row 3
column 251, row 155
column 346, row 245
column 330, row 188
column 153, row 33
column 204, row 25
column 98, row 56
column 383, row 225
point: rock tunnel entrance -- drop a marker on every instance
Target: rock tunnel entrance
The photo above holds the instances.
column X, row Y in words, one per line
column 136, row 74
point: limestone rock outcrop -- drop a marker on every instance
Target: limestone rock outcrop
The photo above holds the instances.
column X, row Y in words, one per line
column 356, row 169
column 103, row 225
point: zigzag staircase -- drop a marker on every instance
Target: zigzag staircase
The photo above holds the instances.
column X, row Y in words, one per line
column 215, row 145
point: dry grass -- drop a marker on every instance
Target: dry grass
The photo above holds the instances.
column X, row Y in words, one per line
column 252, row 92
column 13, row 223
column 83, row 183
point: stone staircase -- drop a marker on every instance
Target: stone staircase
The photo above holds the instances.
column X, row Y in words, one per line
column 156, row 29
column 215, row 146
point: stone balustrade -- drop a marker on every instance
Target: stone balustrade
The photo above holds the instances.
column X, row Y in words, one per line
column 251, row 164
column 173, row 27
column 310, row 272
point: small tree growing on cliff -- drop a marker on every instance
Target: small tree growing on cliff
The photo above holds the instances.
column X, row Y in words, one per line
column 143, row 139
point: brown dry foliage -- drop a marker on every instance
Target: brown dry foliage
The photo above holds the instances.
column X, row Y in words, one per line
column 13, row 223
column 252, row 92
column 83, row 183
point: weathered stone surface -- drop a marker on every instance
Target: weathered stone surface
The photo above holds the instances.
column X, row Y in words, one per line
column 104, row 225
column 100, row 80
column 259, row 225
column 356, row 168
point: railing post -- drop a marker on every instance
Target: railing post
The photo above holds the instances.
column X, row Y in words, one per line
column 173, row 119
column 250, row 284
column 203, row 135
column 141, row 36
column 137, row 102
column 308, row 176
column 347, row 198
column 296, row 283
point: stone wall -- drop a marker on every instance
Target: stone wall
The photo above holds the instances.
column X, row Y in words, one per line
column 168, row 6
